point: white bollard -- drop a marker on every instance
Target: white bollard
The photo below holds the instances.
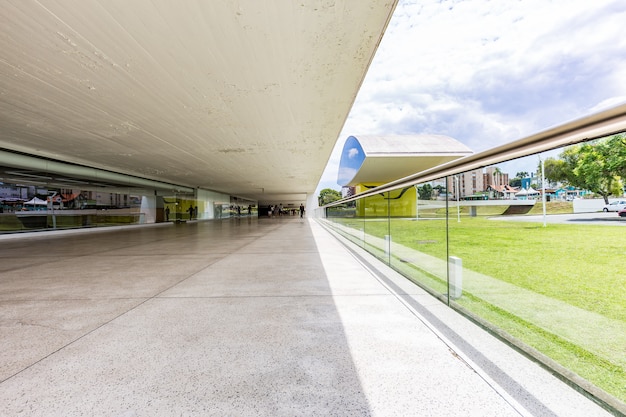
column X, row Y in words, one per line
column 456, row 277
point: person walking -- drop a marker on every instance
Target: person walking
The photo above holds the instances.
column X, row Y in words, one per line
column 301, row 210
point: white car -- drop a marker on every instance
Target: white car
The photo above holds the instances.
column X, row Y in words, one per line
column 615, row 206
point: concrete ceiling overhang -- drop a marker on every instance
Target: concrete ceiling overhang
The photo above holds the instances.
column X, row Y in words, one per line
column 381, row 159
column 245, row 97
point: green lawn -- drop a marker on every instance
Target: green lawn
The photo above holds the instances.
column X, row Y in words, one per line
column 579, row 264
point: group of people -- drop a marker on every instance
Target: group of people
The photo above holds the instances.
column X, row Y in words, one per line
column 272, row 210
column 193, row 213
column 278, row 210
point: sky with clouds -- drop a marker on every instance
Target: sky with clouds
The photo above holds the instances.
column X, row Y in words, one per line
column 489, row 72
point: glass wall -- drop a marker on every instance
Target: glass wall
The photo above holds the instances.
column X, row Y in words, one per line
column 31, row 207
column 538, row 258
column 40, row 207
column 179, row 207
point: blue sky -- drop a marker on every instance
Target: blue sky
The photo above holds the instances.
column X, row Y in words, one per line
column 489, row 72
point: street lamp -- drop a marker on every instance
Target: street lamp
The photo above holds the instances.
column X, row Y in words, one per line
column 458, row 197
column 543, row 190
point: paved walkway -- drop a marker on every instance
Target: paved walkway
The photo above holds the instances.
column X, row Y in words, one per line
column 268, row 317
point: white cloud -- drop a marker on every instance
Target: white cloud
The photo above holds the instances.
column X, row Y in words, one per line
column 487, row 72
column 608, row 103
column 346, row 173
column 353, row 152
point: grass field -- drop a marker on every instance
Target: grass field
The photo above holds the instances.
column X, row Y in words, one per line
column 586, row 260
column 577, row 265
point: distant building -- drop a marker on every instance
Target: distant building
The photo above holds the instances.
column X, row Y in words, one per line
column 466, row 184
column 347, row 192
column 494, row 177
column 14, row 192
column 501, row 192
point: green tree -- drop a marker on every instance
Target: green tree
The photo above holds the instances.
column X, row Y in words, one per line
column 555, row 170
column 425, row 192
column 497, row 172
column 328, row 195
column 517, row 181
column 596, row 166
column 616, row 155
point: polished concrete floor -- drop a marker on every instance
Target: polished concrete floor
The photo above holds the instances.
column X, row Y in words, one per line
column 267, row 317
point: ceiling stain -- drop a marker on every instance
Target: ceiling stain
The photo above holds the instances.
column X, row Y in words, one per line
column 232, row 150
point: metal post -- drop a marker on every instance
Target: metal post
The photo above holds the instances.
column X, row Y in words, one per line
column 387, row 246
column 417, row 203
column 458, row 196
column 543, row 190
column 54, row 218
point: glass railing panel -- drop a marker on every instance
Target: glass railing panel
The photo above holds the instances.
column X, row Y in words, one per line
column 14, row 220
column 524, row 247
column 344, row 220
column 418, row 235
column 375, row 213
column 550, row 275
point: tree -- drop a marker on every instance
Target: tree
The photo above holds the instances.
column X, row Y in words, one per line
column 596, row 166
column 328, row 195
column 515, row 182
column 425, row 192
column 555, row 170
column 497, row 172
column 616, row 155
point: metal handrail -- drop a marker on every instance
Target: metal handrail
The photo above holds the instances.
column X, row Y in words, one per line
column 602, row 124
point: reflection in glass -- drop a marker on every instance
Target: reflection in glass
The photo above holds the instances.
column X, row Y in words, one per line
column 32, row 207
column 419, row 238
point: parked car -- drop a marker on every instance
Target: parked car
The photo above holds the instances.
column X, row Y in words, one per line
column 622, row 212
column 615, row 206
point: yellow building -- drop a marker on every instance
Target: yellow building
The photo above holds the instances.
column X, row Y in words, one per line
column 369, row 161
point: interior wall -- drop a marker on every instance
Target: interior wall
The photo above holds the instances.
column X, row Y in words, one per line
column 208, row 201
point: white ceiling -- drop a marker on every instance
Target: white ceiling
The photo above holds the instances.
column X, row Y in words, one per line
column 246, row 97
